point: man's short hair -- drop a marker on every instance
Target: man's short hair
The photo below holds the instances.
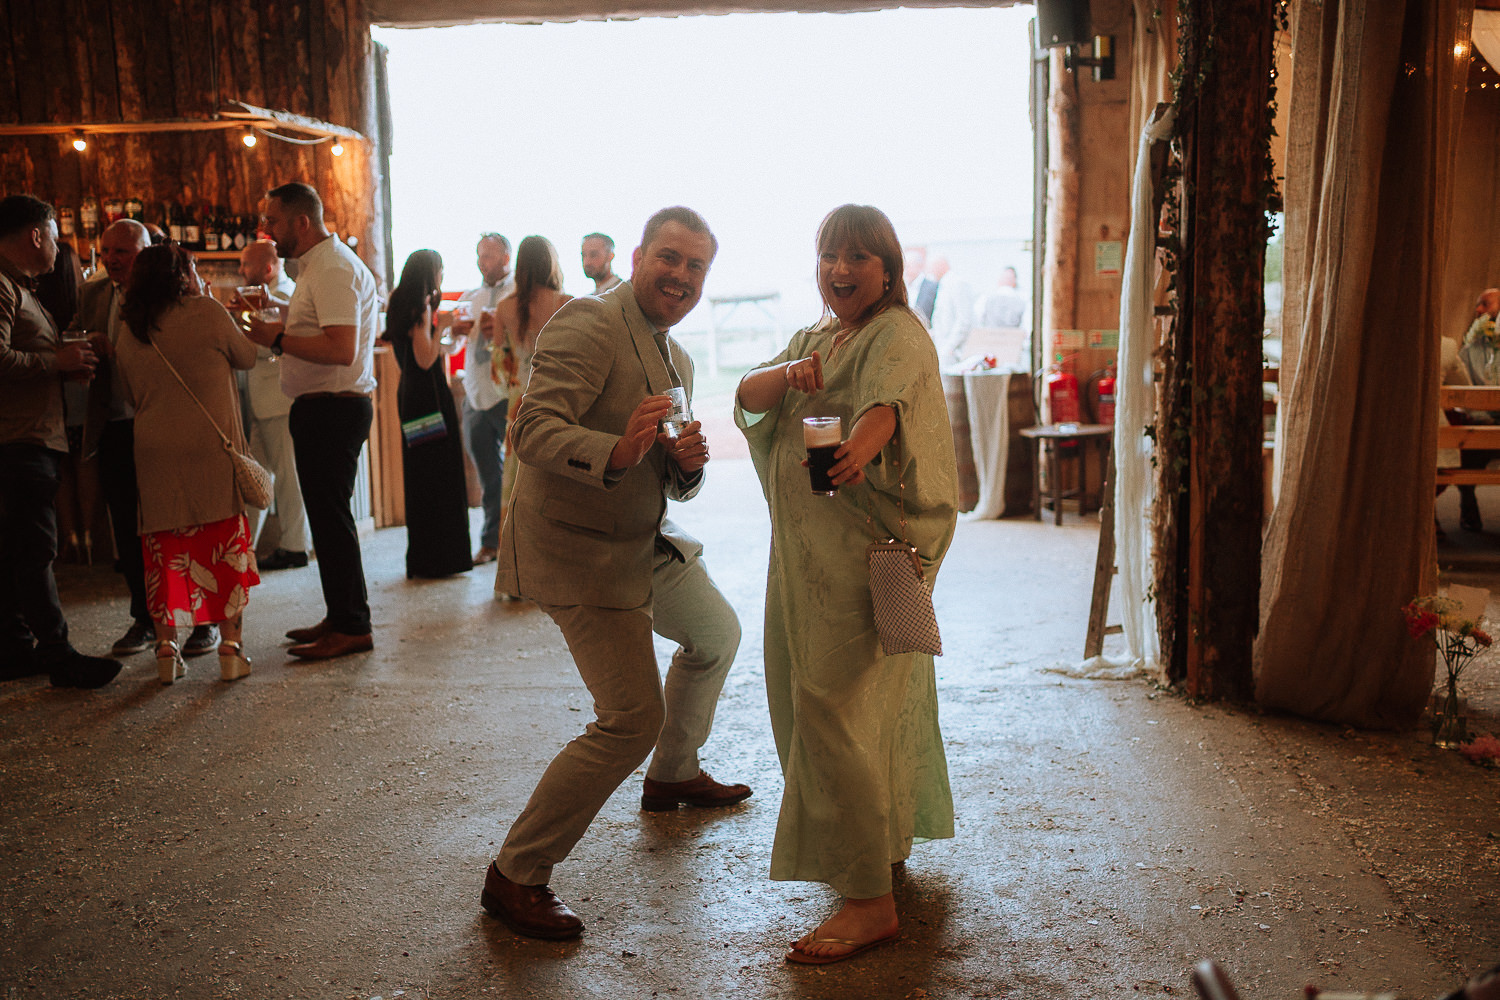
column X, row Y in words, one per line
column 504, row 243
column 20, row 212
column 609, row 244
column 685, row 217
column 301, row 198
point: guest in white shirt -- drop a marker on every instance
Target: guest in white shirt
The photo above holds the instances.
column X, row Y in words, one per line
column 327, row 359
column 486, row 402
column 270, row 436
column 952, row 311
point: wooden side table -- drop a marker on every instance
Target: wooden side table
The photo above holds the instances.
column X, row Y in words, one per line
column 1047, row 439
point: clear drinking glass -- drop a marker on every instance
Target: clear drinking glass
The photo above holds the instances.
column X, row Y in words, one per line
column 681, row 414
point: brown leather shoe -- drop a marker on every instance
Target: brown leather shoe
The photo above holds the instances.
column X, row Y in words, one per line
column 485, row 555
column 310, row 634
column 333, row 644
column 532, row 910
column 702, row 791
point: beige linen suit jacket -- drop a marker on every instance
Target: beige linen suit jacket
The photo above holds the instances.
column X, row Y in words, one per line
column 576, row 534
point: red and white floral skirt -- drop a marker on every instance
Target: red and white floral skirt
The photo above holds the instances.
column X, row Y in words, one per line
column 199, row 575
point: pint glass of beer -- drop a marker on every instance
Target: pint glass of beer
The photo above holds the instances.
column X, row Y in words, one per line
column 822, row 435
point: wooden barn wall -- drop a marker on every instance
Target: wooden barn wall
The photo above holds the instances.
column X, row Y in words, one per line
column 71, row 61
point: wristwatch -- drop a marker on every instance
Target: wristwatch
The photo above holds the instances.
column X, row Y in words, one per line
column 276, row 347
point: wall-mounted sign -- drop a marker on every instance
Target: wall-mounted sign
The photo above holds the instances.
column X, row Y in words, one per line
column 1106, row 340
column 1109, row 256
column 1067, row 340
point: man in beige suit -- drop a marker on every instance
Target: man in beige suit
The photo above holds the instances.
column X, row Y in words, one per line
column 587, row 538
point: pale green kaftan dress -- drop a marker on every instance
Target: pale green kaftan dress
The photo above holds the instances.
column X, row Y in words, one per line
column 856, row 730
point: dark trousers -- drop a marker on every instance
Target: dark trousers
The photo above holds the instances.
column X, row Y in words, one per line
column 29, row 608
column 117, row 483
column 328, row 433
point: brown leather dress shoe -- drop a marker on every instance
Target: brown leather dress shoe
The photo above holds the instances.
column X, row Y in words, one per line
column 310, row 634
column 333, row 644
column 532, row 910
column 702, row 791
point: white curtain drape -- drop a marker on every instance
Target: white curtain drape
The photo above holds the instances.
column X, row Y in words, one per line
column 1135, row 410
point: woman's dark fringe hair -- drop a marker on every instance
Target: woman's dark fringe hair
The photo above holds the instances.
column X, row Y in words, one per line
column 161, row 277
column 866, row 228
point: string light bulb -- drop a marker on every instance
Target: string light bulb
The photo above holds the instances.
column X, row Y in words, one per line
column 337, row 149
column 249, row 139
column 79, row 142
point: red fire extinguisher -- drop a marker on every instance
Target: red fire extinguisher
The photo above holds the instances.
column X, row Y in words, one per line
column 1062, row 393
column 1107, row 396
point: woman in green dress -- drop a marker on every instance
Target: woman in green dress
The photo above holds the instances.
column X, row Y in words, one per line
column 856, row 730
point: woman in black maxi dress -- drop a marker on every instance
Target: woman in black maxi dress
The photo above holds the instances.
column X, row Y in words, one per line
column 437, row 504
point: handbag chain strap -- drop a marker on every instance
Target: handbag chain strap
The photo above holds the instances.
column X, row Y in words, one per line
column 212, row 422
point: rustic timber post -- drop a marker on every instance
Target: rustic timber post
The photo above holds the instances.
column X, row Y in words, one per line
column 1223, row 113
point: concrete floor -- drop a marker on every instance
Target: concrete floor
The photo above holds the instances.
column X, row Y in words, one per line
column 323, row 830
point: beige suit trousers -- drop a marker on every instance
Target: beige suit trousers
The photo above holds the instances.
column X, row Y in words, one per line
column 634, row 711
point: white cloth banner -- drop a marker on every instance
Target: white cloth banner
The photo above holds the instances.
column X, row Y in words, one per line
column 1135, row 410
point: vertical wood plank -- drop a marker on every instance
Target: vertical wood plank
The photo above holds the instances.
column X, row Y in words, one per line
column 222, row 27
column 129, row 55
column 342, row 46
column 98, row 28
column 295, row 64
column 199, row 99
column 25, row 48
column 157, row 57
column 10, row 99
column 319, row 61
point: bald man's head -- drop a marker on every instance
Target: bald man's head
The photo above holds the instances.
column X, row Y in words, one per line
column 122, row 240
column 1488, row 304
column 259, row 262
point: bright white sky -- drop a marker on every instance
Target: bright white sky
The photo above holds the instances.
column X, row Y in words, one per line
column 763, row 123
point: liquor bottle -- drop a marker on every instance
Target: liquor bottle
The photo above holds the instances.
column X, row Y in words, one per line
column 242, row 234
column 114, row 211
column 67, row 227
column 135, row 209
column 88, row 217
column 192, row 232
column 174, row 222
column 211, row 229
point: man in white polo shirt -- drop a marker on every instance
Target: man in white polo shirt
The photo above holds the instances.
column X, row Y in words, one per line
column 327, row 351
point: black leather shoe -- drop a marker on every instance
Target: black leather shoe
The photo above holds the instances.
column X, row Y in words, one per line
column 282, row 559
column 74, row 670
column 532, row 910
column 702, row 791
column 205, row 639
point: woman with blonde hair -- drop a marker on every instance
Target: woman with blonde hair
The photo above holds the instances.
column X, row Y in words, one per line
column 856, row 729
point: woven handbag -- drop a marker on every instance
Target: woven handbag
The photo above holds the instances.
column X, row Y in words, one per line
column 904, row 616
column 251, row 479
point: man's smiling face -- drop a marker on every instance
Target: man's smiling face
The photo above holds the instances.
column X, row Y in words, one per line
column 668, row 274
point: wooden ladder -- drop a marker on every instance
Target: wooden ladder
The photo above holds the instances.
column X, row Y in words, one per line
column 1104, row 567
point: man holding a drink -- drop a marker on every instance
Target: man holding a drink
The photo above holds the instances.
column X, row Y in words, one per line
column 586, row 537
column 33, row 443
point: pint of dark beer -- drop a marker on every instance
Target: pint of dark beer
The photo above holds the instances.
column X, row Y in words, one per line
column 822, row 436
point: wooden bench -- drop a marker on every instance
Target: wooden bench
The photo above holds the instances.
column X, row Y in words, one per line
column 1481, row 436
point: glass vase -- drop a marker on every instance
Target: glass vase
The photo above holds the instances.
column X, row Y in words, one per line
column 1450, row 729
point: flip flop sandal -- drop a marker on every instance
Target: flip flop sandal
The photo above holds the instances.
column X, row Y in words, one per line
column 800, row 957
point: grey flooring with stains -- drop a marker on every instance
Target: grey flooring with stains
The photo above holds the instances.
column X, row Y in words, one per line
column 323, row 830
